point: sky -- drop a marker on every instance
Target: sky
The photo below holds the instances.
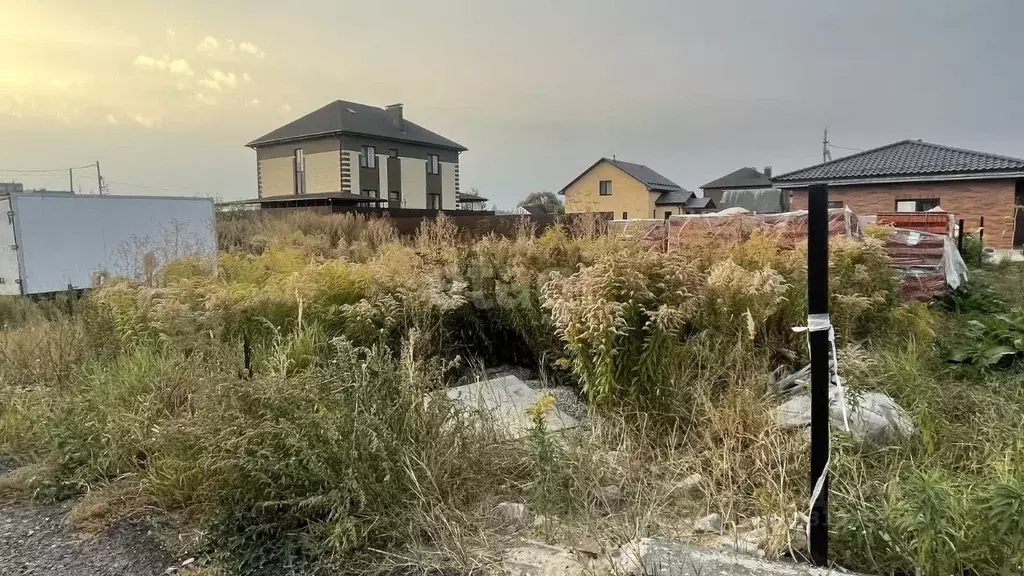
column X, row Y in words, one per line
column 165, row 93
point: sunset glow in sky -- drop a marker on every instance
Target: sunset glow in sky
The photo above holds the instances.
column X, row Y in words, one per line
column 166, row 93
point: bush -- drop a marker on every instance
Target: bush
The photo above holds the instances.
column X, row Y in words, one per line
column 973, row 252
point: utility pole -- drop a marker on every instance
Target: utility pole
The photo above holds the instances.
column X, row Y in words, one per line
column 826, row 155
column 71, row 180
column 99, row 178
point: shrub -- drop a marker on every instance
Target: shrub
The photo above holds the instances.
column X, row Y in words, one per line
column 992, row 341
column 620, row 319
column 973, row 252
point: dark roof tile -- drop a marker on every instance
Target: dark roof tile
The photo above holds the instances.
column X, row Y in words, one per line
column 743, row 178
column 904, row 158
column 673, row 197
column 649, row 177
column 349, row 117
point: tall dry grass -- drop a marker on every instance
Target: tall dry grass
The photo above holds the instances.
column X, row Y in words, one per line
column 330, row 457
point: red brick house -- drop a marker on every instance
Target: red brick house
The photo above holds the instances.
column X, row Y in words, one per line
column 912, row 175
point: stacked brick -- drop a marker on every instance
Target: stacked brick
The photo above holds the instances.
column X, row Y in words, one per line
column 927, row 262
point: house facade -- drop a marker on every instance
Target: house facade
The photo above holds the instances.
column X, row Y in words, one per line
column 628, row 191
column 916, row 176
column 361, row 154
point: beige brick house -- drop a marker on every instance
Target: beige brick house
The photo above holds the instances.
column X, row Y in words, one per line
column 912, row 175
column 628, row 191
column 354, row 153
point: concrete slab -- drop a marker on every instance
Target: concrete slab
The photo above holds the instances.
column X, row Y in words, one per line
column 657, row 557
column 507, row 400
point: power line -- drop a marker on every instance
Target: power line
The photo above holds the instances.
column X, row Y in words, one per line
column 145, row 186
column 47, row 170
column 845, row 148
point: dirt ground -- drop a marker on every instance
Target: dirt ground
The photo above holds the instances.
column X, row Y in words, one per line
column 36, row 539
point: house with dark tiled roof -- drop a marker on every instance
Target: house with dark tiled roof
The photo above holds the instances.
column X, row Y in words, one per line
column 915, row 176
column 629, row 191
column 471, row 201
column 747, row 188
column 351, row 153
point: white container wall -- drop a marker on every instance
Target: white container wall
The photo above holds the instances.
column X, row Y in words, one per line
column 9, row 271
column 63, row 240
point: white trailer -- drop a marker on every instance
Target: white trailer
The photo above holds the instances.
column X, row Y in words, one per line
column 54, row 241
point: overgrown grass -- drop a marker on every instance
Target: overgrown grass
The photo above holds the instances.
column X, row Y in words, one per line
column 331, row 457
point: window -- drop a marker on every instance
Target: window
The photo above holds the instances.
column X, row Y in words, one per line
column 368, row 157
column 606, row 187
column 393, row 152
column 625, row 215
column 835, row 204
column 667, row 214
column 917, row 205
column 433, row 164
column 394, row 195
column 370, row 193
column 300, row 171
column 434, row 201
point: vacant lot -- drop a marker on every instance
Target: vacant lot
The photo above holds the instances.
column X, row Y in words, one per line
column 271, row 408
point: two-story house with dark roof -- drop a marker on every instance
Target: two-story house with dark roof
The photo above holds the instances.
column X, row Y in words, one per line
column 629, row 191
column 915, row 176
column 353, row 153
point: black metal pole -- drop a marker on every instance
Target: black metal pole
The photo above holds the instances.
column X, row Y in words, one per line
column 817, row 309
column 981, row 231
column 960, row 237
column 247, row 355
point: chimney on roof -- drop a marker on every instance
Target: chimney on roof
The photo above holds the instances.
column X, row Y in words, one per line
column 394, row 114
column 768, row 171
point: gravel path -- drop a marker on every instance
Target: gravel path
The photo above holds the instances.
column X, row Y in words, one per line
column 37, row 540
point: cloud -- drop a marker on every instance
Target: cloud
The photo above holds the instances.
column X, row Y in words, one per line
column 286, row 107
column 180, row 67
column 253, row 102
column 149, row 63
column 111, row 119
column 208, row 44
column 177, row 66
column 144, row 120
column 250, row 48
column 246, row 77
column 202, row 98
column 171, row 33
column 219, row 80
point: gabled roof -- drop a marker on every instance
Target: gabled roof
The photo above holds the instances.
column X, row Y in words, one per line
column 649, row 177
column 468, row 197
column 673, row 197
column 341, row 117
column 534, row 209
column 654, row 181
column 702, row 202
column 743, row 178
column 907, row 158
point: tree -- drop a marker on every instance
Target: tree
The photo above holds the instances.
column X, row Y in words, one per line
column 549, row 201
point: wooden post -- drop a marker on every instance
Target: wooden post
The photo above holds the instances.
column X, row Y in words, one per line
column 960, row 237
column 981, row 232
column 818, row 339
